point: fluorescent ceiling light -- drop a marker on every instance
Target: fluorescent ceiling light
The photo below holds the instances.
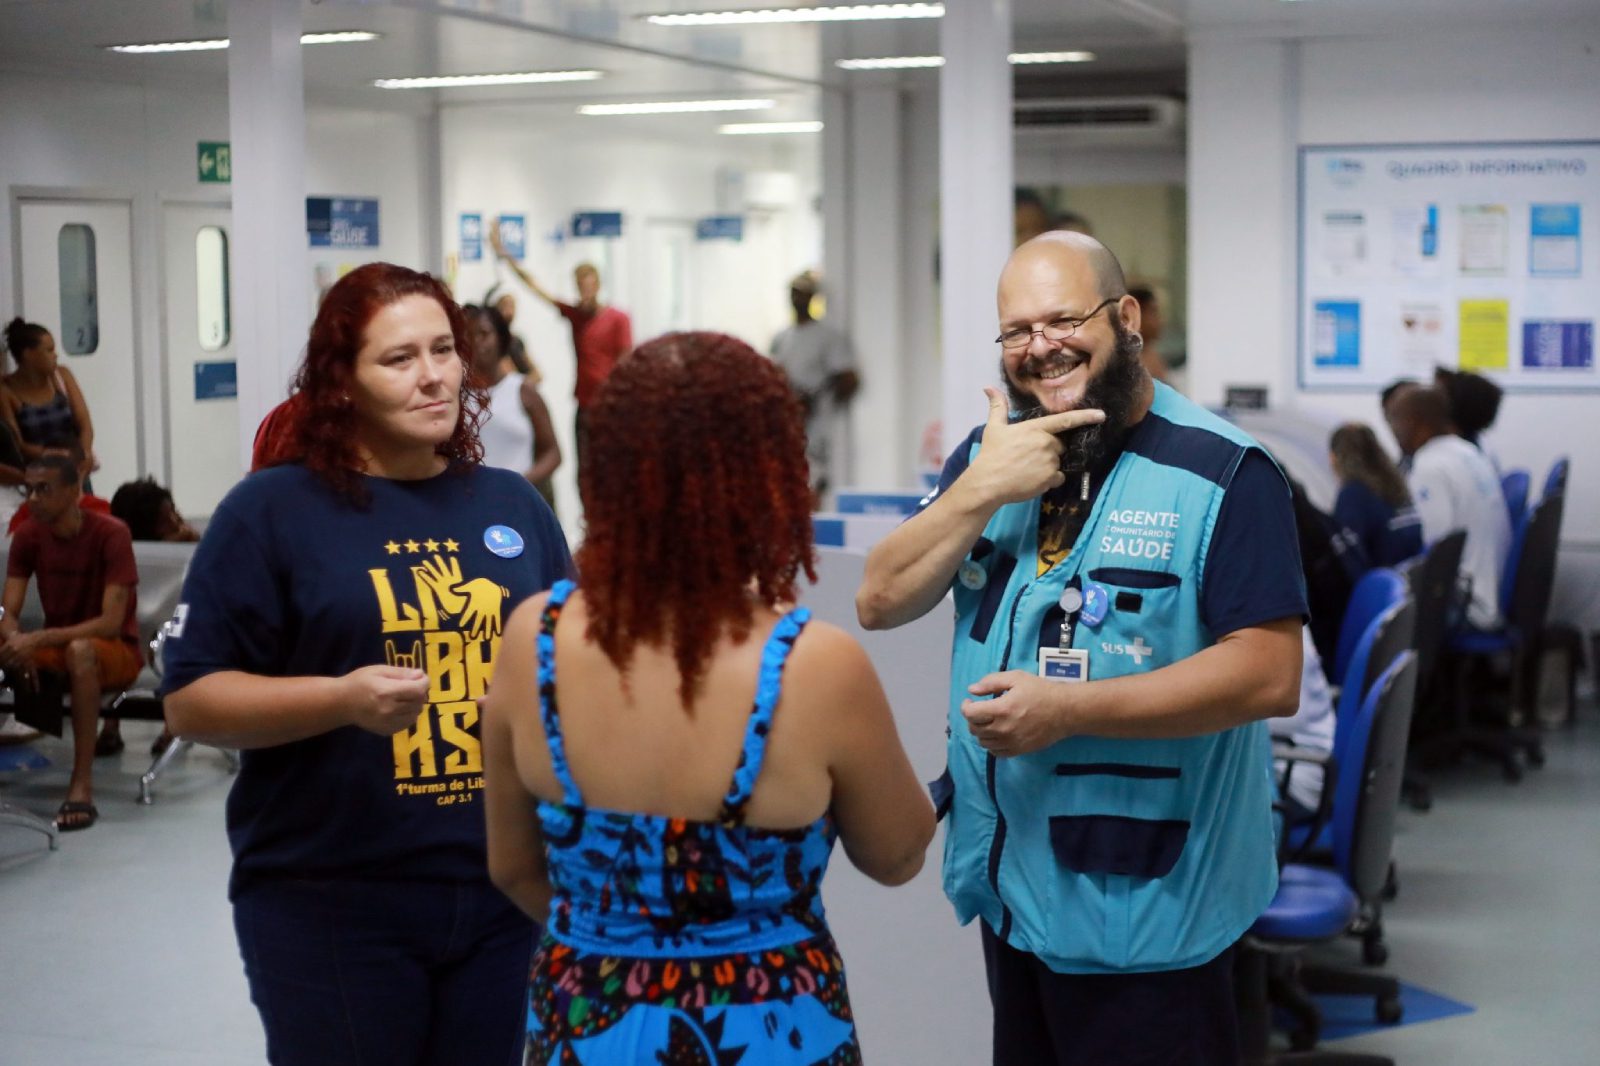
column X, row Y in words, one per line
column 456, row 81
column 891, row 63
column 824, row 13
column 914, row 62
column 1025, row 58
column 676, row 107
column 217, row 43
column 738, row 128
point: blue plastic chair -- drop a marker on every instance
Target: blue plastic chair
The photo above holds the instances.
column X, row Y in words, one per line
column 1525, row 591
column 1515, row 485
column 1386, row 637
column 1314, row 904
column 1377, row 591
column 1556, row 480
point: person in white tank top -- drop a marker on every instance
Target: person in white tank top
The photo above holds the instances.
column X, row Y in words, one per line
column 517, row 434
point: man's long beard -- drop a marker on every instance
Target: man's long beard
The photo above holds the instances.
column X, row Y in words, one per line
column 1115, row 390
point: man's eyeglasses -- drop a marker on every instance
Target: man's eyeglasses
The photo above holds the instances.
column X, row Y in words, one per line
column 1054, row 332
column 39, row 488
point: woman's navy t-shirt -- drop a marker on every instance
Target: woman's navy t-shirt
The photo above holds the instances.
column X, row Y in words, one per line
column 1390, row 535
column 292, row 580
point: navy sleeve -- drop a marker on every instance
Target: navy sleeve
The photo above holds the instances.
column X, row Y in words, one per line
column 232, row 615
column 1253, row 573
column 954, row 467
column 1360, row 511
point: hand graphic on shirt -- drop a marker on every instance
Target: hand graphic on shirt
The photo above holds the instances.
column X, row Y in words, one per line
column 478, row 603
column 444, row 580
column 481, row 619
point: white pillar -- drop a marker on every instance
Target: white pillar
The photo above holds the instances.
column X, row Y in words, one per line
column 271, row 273
column 1244, row 105
column 975, row 198
column 878, row 456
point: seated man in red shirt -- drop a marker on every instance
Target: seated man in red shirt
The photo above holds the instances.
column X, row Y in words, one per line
column 86, row 500
column 87, row 577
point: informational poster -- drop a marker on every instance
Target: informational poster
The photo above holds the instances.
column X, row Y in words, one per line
column 471, row 237
column 513, row 230
column 1467, row 256
column 342, row 222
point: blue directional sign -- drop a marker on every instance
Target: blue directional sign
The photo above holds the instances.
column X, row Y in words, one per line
column 597, row 224
column 720, row 228
column 216, row 381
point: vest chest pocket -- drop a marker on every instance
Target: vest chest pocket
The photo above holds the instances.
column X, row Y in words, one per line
column 1134, row 636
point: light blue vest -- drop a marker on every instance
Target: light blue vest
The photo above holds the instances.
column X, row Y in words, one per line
column 1096, row 854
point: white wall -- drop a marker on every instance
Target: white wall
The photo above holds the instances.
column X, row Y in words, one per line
column 1253, row 102
column 140, row 142
column 662, row 174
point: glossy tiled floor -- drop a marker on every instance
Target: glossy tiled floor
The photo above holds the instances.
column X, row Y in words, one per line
column 117, row 949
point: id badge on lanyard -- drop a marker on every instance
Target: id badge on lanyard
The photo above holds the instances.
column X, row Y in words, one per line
column 1064, row 662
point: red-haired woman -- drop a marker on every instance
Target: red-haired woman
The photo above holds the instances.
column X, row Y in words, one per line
column 672, row 822
column 340, row 621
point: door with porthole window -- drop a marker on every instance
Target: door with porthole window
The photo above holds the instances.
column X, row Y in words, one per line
column 202, row 415
column 76, row 280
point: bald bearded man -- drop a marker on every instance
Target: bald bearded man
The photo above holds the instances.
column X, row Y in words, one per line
column 1128, row 605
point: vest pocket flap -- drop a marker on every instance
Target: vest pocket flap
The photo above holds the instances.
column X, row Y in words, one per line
column 1128, row 577
column 994, row 590
column 1113, row 844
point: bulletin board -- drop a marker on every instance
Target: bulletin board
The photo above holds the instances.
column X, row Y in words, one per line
column 1471, row 256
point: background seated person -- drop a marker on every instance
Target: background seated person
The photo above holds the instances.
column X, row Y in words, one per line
column 148, row 510
column 88, row 501
column 1374, row 502
column 1309, row 730
column 84, row 565
column 1454, row 486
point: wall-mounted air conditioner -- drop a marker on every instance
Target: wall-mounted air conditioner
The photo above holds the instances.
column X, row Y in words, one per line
column 1129, row 119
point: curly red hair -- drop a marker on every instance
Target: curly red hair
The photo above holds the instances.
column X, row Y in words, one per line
column 315, row 428
column 695, row 496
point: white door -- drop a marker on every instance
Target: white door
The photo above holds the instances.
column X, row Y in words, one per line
column 77, row 282
column 663, row 298
column 202, row 406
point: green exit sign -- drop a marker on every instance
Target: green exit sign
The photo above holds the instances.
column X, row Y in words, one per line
column 216, row 161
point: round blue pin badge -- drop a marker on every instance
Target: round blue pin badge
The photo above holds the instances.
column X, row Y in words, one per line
column 503, row 541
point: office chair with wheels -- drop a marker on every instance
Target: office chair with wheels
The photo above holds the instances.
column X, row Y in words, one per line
column 1314, row 904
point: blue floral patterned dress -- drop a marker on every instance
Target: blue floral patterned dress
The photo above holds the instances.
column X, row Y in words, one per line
column 685, row 942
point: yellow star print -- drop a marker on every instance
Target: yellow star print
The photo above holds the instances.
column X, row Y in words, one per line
column 413, row 547
column 450, row 546
column 431, row 544
column 392, row 548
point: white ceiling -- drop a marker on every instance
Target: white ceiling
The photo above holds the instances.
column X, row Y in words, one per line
column 426, row 37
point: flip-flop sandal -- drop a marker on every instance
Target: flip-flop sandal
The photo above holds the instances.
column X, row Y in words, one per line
column 74, row 815
column 105, row 745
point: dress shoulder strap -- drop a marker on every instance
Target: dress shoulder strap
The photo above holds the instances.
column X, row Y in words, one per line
column 769, row 686
column 548, row 711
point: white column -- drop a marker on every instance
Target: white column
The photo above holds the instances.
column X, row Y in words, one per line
column 975, row 196
column 878, row 456
column 1243, row 128
column 271, row 272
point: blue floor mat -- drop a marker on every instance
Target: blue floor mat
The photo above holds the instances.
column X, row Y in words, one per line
column 1352, row 1015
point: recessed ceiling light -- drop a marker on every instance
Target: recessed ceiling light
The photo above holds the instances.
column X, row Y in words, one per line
column 216, row 43
column 740, row 128
column 676, row 107
column 914, row 62
column 456, row 81
column 824, row 13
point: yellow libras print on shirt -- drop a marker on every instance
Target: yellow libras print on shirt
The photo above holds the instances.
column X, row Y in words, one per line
column 439, row 619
